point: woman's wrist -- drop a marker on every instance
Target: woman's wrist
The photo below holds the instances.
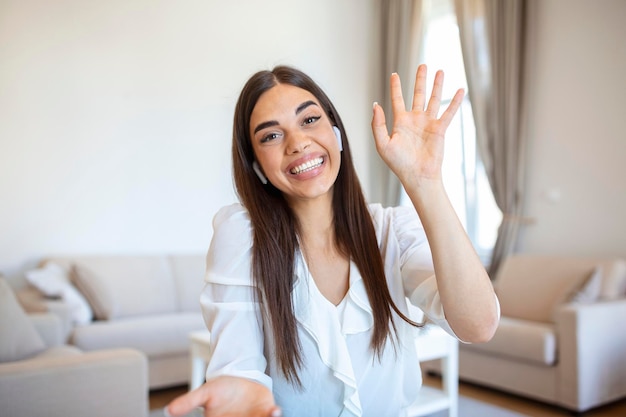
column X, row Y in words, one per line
column 425, row 191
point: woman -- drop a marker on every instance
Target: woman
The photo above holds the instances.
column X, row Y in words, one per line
column 307, row 285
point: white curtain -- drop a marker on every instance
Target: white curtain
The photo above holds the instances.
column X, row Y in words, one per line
column 401, row 39
column 492, row 40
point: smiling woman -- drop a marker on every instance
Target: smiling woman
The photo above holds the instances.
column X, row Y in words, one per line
column 307, row 284
column 294, row 143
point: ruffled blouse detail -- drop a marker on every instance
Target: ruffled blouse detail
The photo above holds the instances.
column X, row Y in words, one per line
column 323, row 322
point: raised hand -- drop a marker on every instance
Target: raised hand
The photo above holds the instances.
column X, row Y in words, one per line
column 414, row 150
column 227, row 396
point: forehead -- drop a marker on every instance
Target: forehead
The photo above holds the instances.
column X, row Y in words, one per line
column 282, row 100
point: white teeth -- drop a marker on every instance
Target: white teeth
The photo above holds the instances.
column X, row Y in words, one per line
column 307, row 166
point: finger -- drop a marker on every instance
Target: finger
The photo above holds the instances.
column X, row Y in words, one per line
column 419, row 90
column 379, row 125
column 435, row 97
column 454, row 105
column 186, row 403
column 397, row 101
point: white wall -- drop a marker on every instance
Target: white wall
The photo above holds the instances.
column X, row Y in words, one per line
column 576, row 170
column 115, row 116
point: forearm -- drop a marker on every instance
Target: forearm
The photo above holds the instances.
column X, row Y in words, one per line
column 466, row 292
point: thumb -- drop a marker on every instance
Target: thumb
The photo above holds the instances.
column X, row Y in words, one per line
column 186, row 403
column 379, row 126
column 276, row 412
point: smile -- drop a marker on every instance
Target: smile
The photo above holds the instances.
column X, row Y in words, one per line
column 307, row 166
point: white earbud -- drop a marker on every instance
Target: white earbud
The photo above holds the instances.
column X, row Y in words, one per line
column 338, row 136
column 259, row 173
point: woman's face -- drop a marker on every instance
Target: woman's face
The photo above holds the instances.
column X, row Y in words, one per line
column 294, row 143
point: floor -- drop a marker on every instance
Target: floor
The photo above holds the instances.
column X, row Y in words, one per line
column 160, row 398
column 525, row 406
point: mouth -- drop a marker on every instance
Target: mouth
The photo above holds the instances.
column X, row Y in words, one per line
column 307, row 166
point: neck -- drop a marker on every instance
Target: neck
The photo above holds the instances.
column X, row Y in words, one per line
column 315, row 218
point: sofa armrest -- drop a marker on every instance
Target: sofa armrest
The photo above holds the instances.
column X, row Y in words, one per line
column 592, row 356
column 102, row 383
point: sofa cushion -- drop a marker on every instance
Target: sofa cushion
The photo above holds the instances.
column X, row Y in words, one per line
column 157, row 335
column 188, row 271
column 18, row 337
column 54, row 281
column 530, row 287
column 521, row 340
column 124, row 286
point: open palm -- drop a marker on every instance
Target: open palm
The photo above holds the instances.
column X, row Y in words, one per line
column 227, row 396
column 414, row 149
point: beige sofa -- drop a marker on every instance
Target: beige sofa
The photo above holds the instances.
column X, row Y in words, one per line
column 561, row 338
column 148, row 303
column 41, row 376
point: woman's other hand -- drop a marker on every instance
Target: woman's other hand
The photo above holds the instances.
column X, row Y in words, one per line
column 227, row 396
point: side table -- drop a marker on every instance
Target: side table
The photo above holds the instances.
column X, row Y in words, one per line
column 433, row 343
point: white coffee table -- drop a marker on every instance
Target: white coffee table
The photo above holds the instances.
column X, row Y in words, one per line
column 200, row 351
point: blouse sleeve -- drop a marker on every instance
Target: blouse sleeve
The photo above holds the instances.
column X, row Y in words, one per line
column 229, row 306
column 416, row 266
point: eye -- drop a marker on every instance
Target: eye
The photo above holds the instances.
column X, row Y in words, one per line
column 269, row 137
column 311, row 119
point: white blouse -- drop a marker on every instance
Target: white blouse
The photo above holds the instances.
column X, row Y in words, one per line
column 340, row 376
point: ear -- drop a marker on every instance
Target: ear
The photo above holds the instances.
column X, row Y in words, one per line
column 338, row 136
column 259, row 173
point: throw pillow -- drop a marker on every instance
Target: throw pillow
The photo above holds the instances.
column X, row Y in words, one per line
column 614, row 280
column 53, row 281
column 97, row 292
column 18, row 337
column 590, row 290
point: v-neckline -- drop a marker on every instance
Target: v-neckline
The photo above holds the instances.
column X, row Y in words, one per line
column 309, row 277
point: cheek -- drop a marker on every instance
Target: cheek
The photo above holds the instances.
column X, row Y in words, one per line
column 336, row 155
column 270, row 163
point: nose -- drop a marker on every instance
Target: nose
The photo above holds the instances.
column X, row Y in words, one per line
column 297, row 142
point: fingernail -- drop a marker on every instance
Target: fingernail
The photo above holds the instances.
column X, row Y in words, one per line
column 375, row 104
column 166, row 412
column 277, row 413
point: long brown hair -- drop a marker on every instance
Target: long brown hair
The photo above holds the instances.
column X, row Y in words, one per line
column 275, row 227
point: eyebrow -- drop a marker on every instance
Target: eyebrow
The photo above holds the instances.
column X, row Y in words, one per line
column 264, row 125
column 304, row 105
column 271, row 123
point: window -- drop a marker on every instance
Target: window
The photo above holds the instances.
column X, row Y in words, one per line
column 463, row 173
